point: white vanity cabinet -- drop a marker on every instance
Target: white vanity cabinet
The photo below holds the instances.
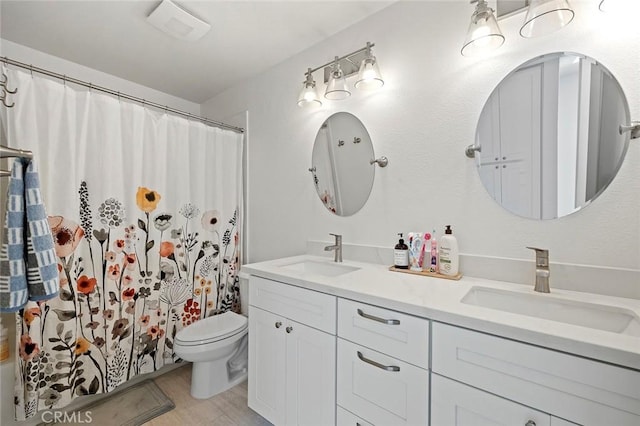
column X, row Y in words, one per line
column 514, row 376
column 382, row 366
column 292, row 348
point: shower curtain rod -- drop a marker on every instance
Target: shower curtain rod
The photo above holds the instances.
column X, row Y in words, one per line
column 144, row 102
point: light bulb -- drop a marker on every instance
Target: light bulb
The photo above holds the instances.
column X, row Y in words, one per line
column 484, row 33
column 369, row 77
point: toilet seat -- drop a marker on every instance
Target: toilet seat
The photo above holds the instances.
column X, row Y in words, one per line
column 212, row 329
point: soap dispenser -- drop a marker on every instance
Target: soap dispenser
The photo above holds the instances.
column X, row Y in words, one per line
column 401, row 254
column 449, row 257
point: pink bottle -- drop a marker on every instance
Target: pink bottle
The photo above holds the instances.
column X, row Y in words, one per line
column 434, row 253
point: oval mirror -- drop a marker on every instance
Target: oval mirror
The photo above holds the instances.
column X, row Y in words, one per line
column 549, row 136
column 340, row 164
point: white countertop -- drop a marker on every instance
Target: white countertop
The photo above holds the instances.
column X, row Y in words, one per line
column 439, row 299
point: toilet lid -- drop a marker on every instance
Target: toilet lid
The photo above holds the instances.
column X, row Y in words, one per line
column 212, row 328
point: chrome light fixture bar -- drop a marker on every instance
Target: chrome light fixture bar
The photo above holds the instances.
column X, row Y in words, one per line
column 337, row 71
column 484, row 33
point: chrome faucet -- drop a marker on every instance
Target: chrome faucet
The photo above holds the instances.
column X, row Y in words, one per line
column 337, row 248
column 542, row 270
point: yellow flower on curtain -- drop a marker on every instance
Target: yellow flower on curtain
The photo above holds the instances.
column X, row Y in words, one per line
column 147, row 199
column 82, row 346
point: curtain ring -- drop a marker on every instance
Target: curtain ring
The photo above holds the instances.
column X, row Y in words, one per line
column 119, row 100
column 64, row 80
column 31, row 69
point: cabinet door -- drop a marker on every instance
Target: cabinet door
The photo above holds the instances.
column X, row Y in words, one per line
column 381, row 389
column 267, row 365
column 310, row 376
column 455, row 404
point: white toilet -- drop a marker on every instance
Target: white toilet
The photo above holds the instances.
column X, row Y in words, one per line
column 217, row 346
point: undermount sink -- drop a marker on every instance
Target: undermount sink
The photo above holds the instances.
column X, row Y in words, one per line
column 320, row 268
column 592, row 315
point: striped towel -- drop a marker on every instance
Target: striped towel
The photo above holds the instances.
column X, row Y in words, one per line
column 31, row 272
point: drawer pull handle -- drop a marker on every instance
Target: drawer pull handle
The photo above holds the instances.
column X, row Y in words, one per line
column 530, row 423
column 377, row 364
column 382, row 320
column 278, row 324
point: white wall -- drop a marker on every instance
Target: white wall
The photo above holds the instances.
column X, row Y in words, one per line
column 422, row 120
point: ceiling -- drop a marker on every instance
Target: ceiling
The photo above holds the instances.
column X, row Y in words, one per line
column 246, row 38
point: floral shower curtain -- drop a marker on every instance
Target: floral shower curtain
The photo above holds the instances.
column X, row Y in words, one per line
column 145, row 212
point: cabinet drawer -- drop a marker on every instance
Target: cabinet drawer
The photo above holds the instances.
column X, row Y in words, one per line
column 402, row 336
column 381, row 389
column 581, row 390
column 317, row 310
column 455, row 404
column 347, row 418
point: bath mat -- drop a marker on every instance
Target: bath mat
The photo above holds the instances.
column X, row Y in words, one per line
column 131, row 407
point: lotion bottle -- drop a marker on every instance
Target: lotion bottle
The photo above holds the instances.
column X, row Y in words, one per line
column 448, row 253
column 401, row 255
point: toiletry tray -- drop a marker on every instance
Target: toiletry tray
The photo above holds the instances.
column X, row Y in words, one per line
column 427, row 273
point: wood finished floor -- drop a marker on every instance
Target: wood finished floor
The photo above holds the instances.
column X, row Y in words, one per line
column 225, row 409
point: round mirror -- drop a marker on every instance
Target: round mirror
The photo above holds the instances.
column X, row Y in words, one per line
column 341, row 168
column 549, row 136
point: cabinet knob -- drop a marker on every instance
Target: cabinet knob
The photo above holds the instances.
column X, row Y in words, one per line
column 530, row 423
column 278, row 324
column 291, row 328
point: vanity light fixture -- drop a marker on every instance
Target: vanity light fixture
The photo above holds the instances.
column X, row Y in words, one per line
column 546, row 16
column 308, row 94
column 337, row 87
column 617, row 6
column 484, row 33
column 369, row 77
column 362, row 62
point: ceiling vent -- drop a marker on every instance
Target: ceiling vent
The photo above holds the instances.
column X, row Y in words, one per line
column 171, row 19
